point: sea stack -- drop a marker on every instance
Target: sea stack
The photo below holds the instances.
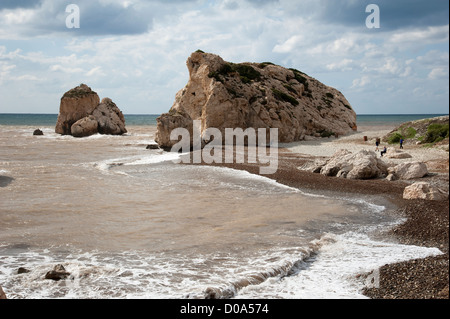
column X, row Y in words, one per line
column 81, row 114
column 223, row 95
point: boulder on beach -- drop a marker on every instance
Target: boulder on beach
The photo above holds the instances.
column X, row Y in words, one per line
column 409, row 170
column 423, row 190
column 345, row 164
column 80, row 107
column 396, row 154
column 224, row 95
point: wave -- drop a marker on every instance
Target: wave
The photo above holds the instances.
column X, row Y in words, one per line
column 334, row 270
column 106, row 165
column 327, row 267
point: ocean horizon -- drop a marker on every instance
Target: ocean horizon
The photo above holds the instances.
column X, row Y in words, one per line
column 49, row 119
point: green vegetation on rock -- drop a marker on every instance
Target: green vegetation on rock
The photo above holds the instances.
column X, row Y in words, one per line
column 246, row 72
column 436, row 133
column 284, row 97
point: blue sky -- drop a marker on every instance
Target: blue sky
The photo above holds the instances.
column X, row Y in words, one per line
column 135, row 51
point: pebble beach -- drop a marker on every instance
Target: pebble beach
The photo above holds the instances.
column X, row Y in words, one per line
column 426, row 222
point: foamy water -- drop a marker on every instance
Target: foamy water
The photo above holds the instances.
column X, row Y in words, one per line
column 128, row 222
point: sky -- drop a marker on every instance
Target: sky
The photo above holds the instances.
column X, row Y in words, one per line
column 135, row 51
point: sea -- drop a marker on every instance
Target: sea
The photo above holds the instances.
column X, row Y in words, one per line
column 127, row 222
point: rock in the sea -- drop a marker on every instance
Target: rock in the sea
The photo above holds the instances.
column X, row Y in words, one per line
column 423, row 190
column 81, row 106
column 22, row 270
column 410, row 170
column 110, row 119
column 258, row 95
column 152, row 147
column 76, row 104
column 38, row 132
column 345, row 164
column 87, row 126
column 58, row 273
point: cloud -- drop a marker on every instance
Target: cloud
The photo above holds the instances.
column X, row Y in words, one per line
column 394, row 15
column 98, row 17
column 438, row 73
column 13, row 4
column 362, row 82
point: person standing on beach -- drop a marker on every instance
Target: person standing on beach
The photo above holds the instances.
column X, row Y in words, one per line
column 377, row 143
column 401, row 143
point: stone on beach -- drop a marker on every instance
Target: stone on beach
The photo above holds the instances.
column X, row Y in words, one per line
column 423, row 190
column 2, row 294
column 397, row 154
column 345, row 164
column 410, row 170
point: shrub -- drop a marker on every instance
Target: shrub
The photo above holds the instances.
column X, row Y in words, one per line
column 325, row 133
column 410, row 132
column 394, row 138
column 246, row 72
column 436, row 133
column 264, row 64
column 284, row 97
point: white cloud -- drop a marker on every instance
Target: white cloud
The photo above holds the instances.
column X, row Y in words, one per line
column 289, row 45
column 362, row 82
column 421, row 36
column 438, row 73
column 342, row 65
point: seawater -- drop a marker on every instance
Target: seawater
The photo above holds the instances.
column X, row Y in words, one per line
column 128, row 222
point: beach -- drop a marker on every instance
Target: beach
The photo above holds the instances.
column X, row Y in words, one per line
column 426, row 222
column 166, row 230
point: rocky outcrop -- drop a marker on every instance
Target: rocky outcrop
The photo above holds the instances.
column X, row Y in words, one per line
column 76, row 104
column 2, row 294
column 423, row 190
column 259, row 95
column 80, row 107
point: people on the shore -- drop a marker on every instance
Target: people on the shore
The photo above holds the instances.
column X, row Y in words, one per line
column 377, row 143
column 383, row 151
column 401, row 143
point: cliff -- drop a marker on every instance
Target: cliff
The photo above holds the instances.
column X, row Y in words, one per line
column 259, row 95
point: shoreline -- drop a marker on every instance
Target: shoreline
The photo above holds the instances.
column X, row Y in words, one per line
column 426, row 222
